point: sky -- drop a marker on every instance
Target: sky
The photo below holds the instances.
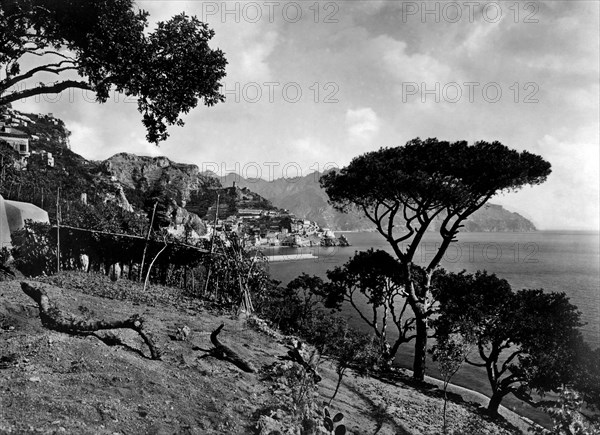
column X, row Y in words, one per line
column 312, row 84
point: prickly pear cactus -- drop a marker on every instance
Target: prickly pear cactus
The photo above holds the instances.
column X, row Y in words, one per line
column 333, row 425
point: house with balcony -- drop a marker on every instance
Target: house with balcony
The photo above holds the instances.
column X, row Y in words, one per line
column 17, row 139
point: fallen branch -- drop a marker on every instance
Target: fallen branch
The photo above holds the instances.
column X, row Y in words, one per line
column 54, row 319
column 223, row 352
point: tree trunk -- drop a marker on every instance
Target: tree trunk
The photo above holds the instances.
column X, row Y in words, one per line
column 494, row 404
column 420, row 348
column 337, row 387
column 394, row 349
column 445, row 408
column 54, row 319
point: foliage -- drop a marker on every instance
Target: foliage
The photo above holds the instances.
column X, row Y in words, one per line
column 587, row 369
column 107, row 43
column 102, row 249
column 567, row 418
column 299, row 297
column 4, row 256
column 34, row 249
column 4, row 260
column 333, row 424
column 39, row 184
column 105, row 216
column 8, row 170
column 374, row 277
column 232, row 272
column 295, row 390
column 527, row 340
column 450, row 352
column 293, row 309
column 354, row 350
column 403, row 189
column 286, row 223
column 431, row 175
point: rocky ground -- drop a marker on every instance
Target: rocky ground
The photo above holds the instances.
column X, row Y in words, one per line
column 52, row 382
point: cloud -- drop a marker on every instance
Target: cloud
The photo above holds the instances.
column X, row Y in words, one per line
column 569, row 198
column 253, row 61
column 309, row 148
column 371, row 7
column 404, row 66
column 479, row 39
column 97, row 143
column 362, row 123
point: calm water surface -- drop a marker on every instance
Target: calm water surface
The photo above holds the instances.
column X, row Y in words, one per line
column 554, row 261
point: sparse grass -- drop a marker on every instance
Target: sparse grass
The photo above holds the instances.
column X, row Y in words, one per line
column 50, row 380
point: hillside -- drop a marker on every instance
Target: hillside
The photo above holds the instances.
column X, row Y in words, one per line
column 53, row 382
column 187, row 190
column 51, row 164
column 135, row 183
column 304, row 197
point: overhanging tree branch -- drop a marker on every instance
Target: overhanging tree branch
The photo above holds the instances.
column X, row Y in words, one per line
column 508, row 361
column 169, row 69
column 53, row 89
column 54, row 68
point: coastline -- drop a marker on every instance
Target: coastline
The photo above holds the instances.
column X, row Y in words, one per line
column 520, row 421
column 526, row 260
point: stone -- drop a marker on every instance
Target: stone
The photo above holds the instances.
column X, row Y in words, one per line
column 182, row 333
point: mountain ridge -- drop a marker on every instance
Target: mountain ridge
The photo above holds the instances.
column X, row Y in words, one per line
column 140, row 181
column 304, row 197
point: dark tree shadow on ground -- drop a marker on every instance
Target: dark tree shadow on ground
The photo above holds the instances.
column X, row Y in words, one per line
column 379, row 414
column 396, row 378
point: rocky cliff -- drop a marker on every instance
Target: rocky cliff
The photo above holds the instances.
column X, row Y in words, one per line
column 144, row 173
column 181, row 186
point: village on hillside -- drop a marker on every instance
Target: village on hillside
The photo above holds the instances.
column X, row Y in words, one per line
column 12, row 131
column 261, row 228
column 257, row 223
column 254, row 220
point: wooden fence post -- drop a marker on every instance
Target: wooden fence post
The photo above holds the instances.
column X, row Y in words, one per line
column 146, row 244
column 58, row 230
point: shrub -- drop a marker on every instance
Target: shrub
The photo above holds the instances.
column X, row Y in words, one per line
column 34, row 249
column 567, row 418
column 4, row 260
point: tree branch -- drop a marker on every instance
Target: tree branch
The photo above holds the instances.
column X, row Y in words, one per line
column 223, row 352
column 54, row 89
column 54, row 68
column 508, row 360
column 53, row 52
column 420, row 233
column 53, row 319
column 474, row 363
column 362, row 316
column 447, row 238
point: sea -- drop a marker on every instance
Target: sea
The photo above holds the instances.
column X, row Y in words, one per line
column 555, row 261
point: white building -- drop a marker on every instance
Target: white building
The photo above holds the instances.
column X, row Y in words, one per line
column 18, row 140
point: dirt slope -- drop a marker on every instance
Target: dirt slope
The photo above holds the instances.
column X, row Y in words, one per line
column 51, row 382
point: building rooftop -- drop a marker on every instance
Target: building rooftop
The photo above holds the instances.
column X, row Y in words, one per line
column 19, row 135
column 13, row 133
